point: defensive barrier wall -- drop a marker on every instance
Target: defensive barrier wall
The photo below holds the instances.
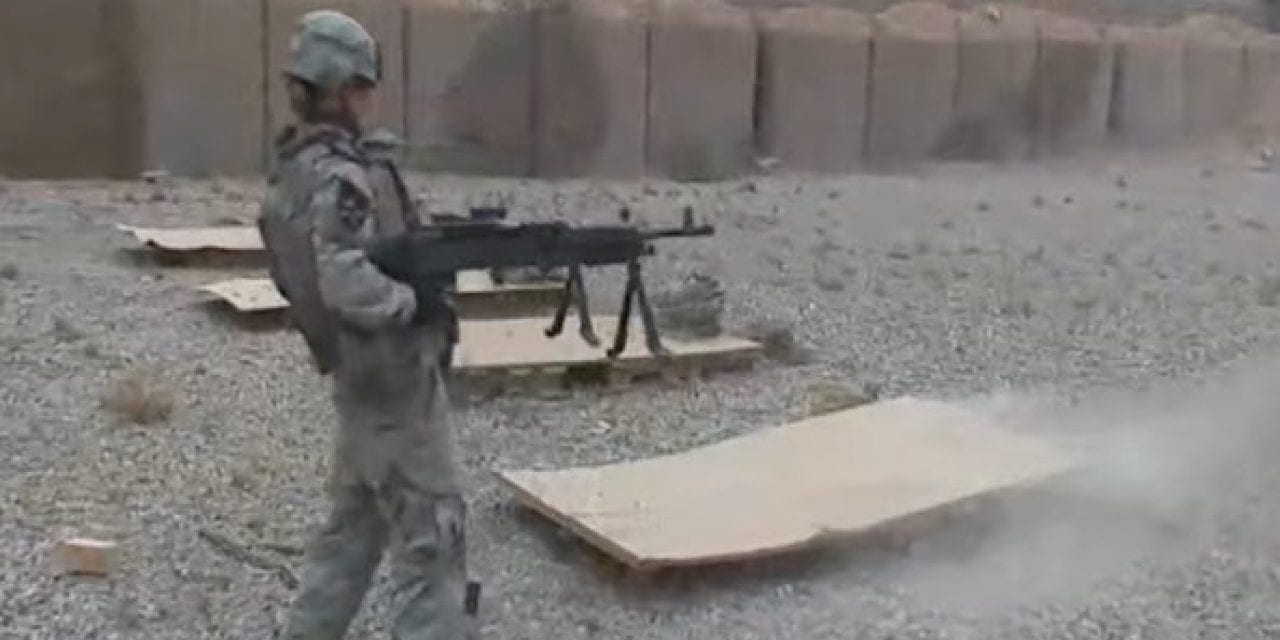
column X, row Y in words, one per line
column 686, row 89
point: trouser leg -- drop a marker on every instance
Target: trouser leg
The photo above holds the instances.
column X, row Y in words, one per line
column 428, row 556
column 339, row 567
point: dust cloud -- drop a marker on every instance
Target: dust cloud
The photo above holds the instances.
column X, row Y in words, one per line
column 1164, row 475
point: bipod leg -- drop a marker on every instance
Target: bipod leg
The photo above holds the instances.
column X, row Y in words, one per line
column 584, row 317
column 651, row 338
column 624, row 318
column 557, row 323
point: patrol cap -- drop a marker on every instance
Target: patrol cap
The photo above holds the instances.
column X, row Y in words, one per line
column 329, row 49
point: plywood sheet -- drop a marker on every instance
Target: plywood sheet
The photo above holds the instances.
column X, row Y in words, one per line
column 784, row 488
column 507, row 343
column 248, row 295
column 228, row 238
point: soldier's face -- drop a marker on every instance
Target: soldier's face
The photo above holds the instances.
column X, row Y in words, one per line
column 363, row 103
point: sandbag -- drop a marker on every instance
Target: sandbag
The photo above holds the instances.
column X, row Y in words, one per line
column 702, row 73
column 813, row 87
column 913, row 82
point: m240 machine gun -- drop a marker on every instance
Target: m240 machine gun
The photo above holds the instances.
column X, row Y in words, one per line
column 428, row 257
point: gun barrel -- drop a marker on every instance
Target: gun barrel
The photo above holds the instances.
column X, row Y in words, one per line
column 681, row 232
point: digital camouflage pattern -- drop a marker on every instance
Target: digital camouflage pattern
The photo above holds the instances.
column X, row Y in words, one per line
column 330, row 49
column 393, row 483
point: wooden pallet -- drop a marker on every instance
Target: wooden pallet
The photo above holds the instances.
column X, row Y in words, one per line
column 514, row 353
column 893, row 465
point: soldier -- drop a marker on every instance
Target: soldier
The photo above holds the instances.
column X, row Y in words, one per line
column 393, row 486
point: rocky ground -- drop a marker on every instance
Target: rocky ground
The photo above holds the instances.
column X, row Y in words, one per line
column 1128, row 311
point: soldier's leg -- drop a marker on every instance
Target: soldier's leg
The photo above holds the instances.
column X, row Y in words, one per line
column 428, row 556
column 340, row 565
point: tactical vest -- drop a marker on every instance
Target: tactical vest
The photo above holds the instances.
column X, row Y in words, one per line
column 285, row 222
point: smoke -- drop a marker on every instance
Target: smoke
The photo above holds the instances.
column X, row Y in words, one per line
column 1164, row 474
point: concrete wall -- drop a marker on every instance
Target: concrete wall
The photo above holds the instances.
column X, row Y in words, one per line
column 687, row 89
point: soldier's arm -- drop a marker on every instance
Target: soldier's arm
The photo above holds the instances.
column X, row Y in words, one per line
column 349, row 283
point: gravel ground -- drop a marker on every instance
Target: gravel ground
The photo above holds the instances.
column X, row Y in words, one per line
column 1127, row 311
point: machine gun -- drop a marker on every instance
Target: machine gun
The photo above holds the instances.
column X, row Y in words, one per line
column 429, row 256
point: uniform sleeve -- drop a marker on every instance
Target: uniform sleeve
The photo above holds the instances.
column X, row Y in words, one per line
column 349, row 283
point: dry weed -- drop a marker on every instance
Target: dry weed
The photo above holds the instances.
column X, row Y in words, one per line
column 137, row 399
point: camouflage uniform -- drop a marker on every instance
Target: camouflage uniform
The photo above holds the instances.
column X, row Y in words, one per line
column 393, row 482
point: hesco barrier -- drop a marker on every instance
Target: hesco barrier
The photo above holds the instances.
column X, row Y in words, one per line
column 914, row 71
column 813, row 87
column 590, row 90
column 994, row 105
column 686, row 89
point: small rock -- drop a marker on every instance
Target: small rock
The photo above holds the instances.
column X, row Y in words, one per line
column 9, row 271
column 1122, row 182
column 85, row 556
column 779, row 344
column 829, row 397
column 767, row 164
column 984, row 206
column 65, row 331
column 1068, row 199
column 1037, row 201
column 154, row 176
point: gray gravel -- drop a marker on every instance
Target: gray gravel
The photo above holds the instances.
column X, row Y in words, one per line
column 1133, row 320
